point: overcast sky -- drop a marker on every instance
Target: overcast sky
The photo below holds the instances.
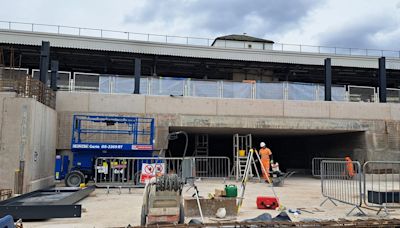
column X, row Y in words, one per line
column 347, row 23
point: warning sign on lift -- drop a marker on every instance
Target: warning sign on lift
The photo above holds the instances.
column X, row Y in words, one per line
column 151, row 170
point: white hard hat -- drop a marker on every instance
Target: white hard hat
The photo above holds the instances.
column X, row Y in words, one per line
column 221, row 212
column 262, row 144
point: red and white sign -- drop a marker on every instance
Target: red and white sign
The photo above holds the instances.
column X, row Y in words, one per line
column 142, row 147
column 151, row 170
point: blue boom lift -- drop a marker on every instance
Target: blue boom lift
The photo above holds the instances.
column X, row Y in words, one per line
column 107, row 136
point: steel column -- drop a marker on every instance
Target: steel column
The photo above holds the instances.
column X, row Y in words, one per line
column 138, row 72
column 44, row 61
column 382, row 80
column 54, row 75
column 328, row 80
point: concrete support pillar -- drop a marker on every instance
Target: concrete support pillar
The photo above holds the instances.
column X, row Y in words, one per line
column 44, row 61
column 138, row 69
column 54, row 75
column 328, row 80
column 382, row 80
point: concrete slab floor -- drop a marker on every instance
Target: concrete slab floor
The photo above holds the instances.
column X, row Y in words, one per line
column 119, row 210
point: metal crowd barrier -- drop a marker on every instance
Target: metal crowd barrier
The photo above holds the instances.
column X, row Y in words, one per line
column 382, row 184
column 316, row 165
column 341, row 182
column 126, row 172
column 212, row 167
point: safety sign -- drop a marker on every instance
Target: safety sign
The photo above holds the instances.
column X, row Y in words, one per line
column 151, row 170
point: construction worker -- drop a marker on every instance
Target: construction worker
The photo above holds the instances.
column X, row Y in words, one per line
column 349, row 167
column 265, row 160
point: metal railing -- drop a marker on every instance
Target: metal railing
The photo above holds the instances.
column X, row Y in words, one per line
column 127, row 171
column 186, row 40
column 341, row 182
column 212, row 167
column 316, row 164
column 382, row 184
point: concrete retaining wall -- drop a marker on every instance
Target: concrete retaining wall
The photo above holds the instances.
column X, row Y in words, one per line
column 379, row 123
column 27, row 133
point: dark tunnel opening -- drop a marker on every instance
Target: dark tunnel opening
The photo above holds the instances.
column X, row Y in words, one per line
column 293, row 151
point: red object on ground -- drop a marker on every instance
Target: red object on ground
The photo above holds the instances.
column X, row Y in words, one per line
column 267, row 202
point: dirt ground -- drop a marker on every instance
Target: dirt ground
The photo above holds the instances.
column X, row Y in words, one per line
column 119, row 210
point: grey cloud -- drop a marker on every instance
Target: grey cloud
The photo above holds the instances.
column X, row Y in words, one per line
column 256, row 17
column 364, row 34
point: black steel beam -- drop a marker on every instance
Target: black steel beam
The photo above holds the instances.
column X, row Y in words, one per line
column 382, row 80
column 328, row 80
column 32, row 212
column 138, row 72
column 44, row 61
column 77, row 196
column 45, row 204
column 54, row 75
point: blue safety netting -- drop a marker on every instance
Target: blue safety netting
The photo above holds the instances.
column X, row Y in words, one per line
column 236, row 90
column 270, row 91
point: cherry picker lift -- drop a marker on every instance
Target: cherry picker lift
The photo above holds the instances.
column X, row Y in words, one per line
column 106, row 136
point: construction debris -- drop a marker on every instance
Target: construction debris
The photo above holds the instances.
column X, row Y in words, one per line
column 327, row 223
column 5, row 194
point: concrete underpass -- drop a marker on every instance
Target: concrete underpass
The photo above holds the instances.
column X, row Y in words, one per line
column 293, row 149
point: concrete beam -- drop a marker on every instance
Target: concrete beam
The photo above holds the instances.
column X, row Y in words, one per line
column 359, row 110
column 180, row 105
column 125, row 103
column 308, row 109
column 246, row 107
column 68, row 101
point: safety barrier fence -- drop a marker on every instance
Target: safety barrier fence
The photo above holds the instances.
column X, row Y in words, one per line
column 377, row 184
column 168, row 86
column 316, row 165
column 212, row 167
column 219, row 89
column 226, row 89
column 127, row 171
column 382, row 184
column 341, row 181
column 185, row 40
column 134, row 171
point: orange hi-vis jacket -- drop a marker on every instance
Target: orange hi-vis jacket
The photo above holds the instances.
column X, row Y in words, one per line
column 265, row 153
column 349, row 167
